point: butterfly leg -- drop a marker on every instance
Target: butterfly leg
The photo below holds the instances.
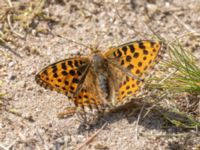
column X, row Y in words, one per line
column 71, row 111
column 67, row 112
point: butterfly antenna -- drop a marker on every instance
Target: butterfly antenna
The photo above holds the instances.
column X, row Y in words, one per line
column 94, row 47
column 96, row 41
column 70, row 40
column 125, row 22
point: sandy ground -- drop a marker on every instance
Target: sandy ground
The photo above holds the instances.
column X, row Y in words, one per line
column 89, row 22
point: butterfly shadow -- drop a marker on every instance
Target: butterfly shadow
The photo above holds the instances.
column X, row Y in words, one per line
column 138, row 112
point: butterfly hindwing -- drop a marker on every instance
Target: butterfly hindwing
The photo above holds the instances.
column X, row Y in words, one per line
column 129, row 86
column 86, row 98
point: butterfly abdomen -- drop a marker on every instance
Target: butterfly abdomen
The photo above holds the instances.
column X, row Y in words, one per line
column 100, row 67
column 103, row 81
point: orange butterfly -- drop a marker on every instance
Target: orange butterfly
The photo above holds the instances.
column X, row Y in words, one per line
column 102, row 80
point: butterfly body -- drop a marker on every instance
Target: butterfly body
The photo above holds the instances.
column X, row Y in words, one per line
column 102, row 80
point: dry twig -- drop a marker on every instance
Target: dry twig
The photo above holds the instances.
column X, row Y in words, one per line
column 186, row 26
column 12, row 28
column 91, row 138
column 137, row 122
column 42, row 140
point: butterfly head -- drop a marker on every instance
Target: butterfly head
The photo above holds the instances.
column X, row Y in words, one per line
column 97, row 58
column 94, row 49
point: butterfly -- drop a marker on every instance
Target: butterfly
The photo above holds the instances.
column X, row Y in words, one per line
column 101, row 80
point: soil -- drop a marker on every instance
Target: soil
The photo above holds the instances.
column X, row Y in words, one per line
column 28, row 117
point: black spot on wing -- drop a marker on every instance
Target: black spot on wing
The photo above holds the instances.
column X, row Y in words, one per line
column 63, row 65
column 72, row 72
column 141, row 45
column 145, row 52
column 136, row 55
column 66, row 82
column 70, row 63
column 64, row 73
column 132, row 49
column 139, row 64
column 75, row 80
column 76, row 63
column 119, row 53
column 54, row 68
column 128, row 58
column 55, row 75
column 130, row 66
column 124, row 49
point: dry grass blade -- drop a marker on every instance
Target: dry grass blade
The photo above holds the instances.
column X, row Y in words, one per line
column 181, row 119
column 4, row 44
column 73, row 41
column 138, row 119
column 9, row 3
column 42, row 140
column 12, row 28
column 186, row 26
column 2, row 147
column 91, row 138
column 1, row 96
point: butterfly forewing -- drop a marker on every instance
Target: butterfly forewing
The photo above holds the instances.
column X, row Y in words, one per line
column 63, row 76
column 136, row 58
